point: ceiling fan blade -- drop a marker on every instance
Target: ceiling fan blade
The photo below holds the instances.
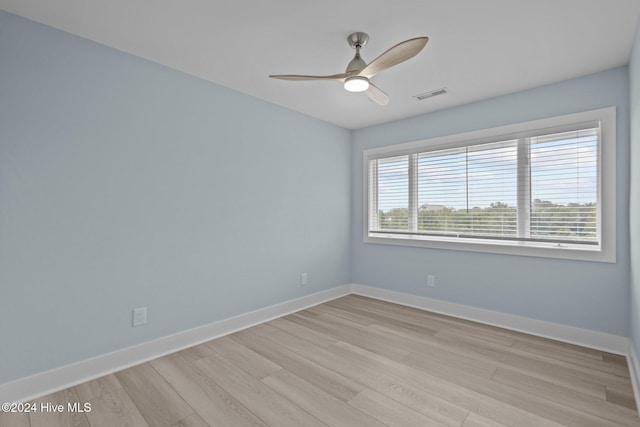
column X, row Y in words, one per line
column 340, row 77
column 397, row 54
column 376, row 95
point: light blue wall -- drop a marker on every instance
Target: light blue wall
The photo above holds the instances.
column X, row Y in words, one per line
column 634, row 208
column 583, row 294
column 124, row 183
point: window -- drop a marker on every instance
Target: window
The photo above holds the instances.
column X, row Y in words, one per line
column 542, row 188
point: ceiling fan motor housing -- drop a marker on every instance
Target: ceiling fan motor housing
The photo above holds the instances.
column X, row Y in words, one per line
column 356, row 41
column 356, row 64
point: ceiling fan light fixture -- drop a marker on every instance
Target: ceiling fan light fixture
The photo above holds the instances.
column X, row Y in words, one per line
column 356, row 84
column 357, row 76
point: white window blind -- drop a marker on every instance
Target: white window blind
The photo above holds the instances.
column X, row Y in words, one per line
column 538, row 187
column 468, row 191
column 393, row 193
column 564, row 184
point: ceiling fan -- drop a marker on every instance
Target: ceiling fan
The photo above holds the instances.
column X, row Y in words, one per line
column 357, row 77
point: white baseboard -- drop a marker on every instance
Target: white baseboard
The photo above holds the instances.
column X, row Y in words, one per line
column 41, row 384
column 569, row 334
column 44, row 383
column 634, row 372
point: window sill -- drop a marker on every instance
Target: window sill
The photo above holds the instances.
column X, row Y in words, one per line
column 532, row 249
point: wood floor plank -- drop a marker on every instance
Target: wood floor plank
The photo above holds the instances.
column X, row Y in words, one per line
column 532, row 403
column 210, row 401
column 381, row 314
column 158, row 402
column 412, row 350
column 544, row 368
column 475, row 420
column 114, row 408
column 585, row 403
column 534, row 365
column 193, row 421
column 575, row 357
column 379, row 381
column 317, row 402
column 315, row 337
column 432, row 320
column 345, row 314
column 469, row 399
column 390, row 319
column 63, row 417
column 554, row 348
column 270, row 406
column 195, row 353
column 341, row 330
column 389, row 411
column 443, row 400
column 95, row 388
column 615, row 358
column 423, row 351
column 244, row 358
column 338, row 386
column 14, row 419
column 375, row 379
column 436, row 365
column 623, row 398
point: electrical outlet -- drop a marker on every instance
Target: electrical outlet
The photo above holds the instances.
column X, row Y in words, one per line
column 303, row 279
column 140, row 316
column 431, row 281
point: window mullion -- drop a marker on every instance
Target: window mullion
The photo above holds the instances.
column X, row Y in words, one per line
column 374, row 215
column 413, row 193
column 524, row 188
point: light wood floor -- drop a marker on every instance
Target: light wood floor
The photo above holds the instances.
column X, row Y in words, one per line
column 357, row 361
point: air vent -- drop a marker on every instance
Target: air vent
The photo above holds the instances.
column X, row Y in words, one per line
column 431, row 94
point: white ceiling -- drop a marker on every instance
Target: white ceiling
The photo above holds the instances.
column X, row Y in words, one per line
column 477, row 48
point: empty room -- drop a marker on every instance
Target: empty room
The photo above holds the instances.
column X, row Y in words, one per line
column 339, row 213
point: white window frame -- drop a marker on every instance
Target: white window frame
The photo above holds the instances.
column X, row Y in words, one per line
column 604, row 252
